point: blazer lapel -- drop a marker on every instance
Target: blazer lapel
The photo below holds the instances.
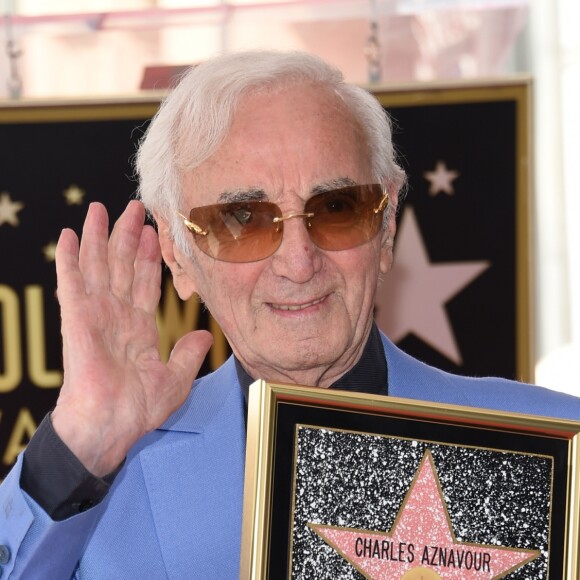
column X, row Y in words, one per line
column 194, row 478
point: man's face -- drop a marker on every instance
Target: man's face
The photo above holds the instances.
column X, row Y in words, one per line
column 303, row 314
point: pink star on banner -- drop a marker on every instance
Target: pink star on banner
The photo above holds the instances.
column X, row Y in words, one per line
column 421, row 543
column 413, row 296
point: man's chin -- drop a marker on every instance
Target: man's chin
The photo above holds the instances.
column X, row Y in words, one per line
column 301, row 366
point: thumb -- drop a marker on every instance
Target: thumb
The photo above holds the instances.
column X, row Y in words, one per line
column 189, row 353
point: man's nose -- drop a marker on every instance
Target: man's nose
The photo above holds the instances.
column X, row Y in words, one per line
column 297, row 258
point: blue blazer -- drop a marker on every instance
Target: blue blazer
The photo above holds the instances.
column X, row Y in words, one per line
column 175, row 509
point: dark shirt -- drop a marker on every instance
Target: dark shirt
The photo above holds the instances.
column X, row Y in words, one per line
column 54, row 477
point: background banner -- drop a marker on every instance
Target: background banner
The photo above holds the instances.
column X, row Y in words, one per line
column 459, row 295
column 461, row 248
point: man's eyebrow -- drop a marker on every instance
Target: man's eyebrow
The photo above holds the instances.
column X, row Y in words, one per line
column 334, row 184
column 258, row 194
column 240, row 195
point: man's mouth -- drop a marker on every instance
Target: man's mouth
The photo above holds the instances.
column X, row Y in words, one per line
column 294, row 307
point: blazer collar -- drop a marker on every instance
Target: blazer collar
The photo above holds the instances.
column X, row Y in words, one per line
column 412, row 379
column 408, row 378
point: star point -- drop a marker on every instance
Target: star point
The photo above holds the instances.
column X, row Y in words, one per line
column 9, row 209
column 49, row 251
column 421, row 542
column 441, row 179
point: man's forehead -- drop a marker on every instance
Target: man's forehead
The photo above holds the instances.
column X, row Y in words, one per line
column 313, row 101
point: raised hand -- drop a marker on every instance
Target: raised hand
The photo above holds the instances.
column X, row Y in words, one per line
column 116, row 388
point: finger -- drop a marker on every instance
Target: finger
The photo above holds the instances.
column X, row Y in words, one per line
column 93, row 248
column 70, row 282
column 123, row 247
column 147, row 282
column 189, row 353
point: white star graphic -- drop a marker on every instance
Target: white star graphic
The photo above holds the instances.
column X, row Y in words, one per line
column 413, row 295
column 440, row 179
column 9, row 209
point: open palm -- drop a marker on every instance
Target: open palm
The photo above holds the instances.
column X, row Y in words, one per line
column 116, row 387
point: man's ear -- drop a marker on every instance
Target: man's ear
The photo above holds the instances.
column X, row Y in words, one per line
column 174, row 258
column 389, row 232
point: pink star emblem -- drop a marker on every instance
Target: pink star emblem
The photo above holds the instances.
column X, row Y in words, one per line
column 421, row 543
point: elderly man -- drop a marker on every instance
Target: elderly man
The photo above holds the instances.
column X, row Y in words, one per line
column 273, row 184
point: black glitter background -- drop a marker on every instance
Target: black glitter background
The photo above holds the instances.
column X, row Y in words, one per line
column 358, row 480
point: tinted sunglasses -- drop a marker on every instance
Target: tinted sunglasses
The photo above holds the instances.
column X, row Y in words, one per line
column 248, row 231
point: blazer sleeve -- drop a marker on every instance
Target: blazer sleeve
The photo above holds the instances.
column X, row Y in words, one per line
column 34, row 545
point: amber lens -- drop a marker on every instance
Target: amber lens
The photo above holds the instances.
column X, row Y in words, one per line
column 345, row 218
column 238, row 232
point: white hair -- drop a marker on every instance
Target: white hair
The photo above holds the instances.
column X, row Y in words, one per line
column 195, row 118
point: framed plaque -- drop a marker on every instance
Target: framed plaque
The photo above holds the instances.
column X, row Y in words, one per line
column 348, row 486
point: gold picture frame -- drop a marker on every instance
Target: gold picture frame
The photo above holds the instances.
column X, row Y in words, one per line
column 302, row 450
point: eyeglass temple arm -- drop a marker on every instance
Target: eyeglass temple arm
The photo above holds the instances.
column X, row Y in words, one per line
column 383, row 204
column 193, row 228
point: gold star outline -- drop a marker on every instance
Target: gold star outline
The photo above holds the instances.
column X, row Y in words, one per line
column 9, row 209
column 49, row 251
column 74, row 195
